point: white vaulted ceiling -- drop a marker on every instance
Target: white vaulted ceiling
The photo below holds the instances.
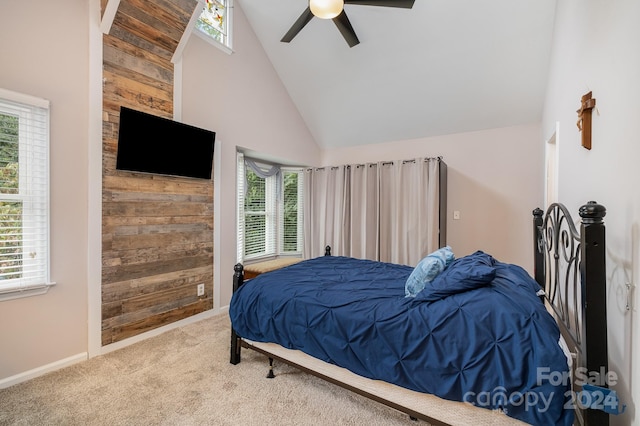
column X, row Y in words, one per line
column 443, row 67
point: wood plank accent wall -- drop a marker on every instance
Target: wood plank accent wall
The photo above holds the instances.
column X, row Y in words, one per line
column 157, row 231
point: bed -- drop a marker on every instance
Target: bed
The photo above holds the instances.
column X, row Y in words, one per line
column 482, row 339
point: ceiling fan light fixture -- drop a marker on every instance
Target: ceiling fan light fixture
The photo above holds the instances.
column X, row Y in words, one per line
column 326, row 9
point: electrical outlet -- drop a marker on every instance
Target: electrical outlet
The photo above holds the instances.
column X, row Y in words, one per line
column 200, row 289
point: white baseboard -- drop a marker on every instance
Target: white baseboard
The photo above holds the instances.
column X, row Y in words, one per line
column 39, row 371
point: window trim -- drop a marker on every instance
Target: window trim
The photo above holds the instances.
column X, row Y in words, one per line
column 17, row 288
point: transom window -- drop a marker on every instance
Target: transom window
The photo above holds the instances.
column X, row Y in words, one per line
column 214, row 22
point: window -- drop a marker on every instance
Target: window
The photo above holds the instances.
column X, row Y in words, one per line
column 214, row 22
column 269, row 210
column 291, row 212
column 24, row 195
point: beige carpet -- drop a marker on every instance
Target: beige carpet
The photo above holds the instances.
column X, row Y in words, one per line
column 183, row 377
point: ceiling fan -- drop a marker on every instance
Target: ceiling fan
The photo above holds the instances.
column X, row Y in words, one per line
column 334, row 9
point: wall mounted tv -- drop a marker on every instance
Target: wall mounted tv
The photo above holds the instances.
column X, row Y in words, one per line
column 152, row 144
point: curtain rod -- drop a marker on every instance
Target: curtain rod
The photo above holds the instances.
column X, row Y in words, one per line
column 384, row 163
column 427, row 159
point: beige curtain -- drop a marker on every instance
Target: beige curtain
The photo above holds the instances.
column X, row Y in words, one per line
column 409, row 210
column 364, row 238
column 385, row 211
column 324, row 202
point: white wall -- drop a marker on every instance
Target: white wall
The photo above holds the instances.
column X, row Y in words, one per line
column 495, row 181
column 44, row 53
column 595, row 48
column 241, row 98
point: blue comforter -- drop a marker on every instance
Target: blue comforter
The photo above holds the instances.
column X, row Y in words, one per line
column 478, row 333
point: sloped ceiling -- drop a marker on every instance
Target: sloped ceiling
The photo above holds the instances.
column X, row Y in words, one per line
column 443, row 67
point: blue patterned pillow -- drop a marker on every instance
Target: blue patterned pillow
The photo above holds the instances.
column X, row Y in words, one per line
column 427, row 269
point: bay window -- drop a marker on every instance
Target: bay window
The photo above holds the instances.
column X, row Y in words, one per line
column 269, row 209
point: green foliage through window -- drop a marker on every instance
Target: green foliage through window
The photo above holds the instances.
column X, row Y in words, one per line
column 10, row 211
column 290, row 221
column 255, row 214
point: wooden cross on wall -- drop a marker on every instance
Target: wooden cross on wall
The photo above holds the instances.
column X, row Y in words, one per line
column 584, row 119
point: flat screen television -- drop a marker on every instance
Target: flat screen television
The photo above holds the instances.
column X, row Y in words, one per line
column 152, row 144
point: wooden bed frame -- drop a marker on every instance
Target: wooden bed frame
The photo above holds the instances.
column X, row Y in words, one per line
column 568, row 264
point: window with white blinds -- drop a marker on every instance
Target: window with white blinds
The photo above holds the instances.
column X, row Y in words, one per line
column 291, row 219
column 24, row 195
column 269, row 212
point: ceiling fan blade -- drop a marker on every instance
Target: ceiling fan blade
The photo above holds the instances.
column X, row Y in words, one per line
column 344, row 25
column 298, row 25
column 405, row 4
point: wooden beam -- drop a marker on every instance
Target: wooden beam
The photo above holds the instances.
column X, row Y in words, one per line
column 108, row 16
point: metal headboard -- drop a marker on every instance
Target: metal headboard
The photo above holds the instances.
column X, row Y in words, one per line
column 570, row 267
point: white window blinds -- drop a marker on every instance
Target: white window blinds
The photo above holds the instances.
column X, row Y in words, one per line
column 24, row 195
column 240, row 205
column 291, row 212
column 260, row 198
